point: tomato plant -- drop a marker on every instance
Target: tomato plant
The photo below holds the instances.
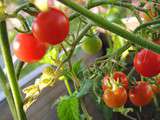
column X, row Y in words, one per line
column 115, row 98
column 91, row 45
column 108, row 33
column 141, row 94
column 28, row 49
column 147, row 63
column 53, row 29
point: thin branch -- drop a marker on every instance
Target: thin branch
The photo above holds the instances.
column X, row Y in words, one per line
column 146, row 25
column 118, row 52
column 18, row 69
column 81, row 35
column 120, row 4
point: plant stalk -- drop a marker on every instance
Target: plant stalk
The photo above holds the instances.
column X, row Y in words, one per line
column 68, row 86
column 4, row 42
column 8, row 94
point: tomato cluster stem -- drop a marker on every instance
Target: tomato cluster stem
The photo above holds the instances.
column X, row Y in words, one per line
column 102, row 22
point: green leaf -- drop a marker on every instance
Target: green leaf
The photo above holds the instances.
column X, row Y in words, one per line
column 76, row 66
column 85, row 87
column 52, row 56
column 68, row 108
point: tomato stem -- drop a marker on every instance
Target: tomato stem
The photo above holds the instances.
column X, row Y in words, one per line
column 88, row 117
column 10, row 71
column 102, row 22
column 155, row 102
column 116, row 3
column 9, row 97
column 68, row 86
column 130, row 75
column 146, row 24
column 18, row 69
column 117, row 53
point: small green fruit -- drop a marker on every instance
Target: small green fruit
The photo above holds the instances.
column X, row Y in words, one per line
column 91, row 45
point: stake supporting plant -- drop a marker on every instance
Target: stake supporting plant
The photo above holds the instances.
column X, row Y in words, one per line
column 102, row 22
column 10, row 71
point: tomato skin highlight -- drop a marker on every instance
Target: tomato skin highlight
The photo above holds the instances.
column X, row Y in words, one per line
column 28, row 49
column 147, row 63
column 51, row 26
column 116, row 98
column 141, row 94
column 122, row 78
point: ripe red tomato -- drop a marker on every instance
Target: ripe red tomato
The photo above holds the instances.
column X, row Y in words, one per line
column 141, row 94
column 51, row 26
column 122, row 78
column 28, row 49
column 147, row 63
column 155, row 87
column 115, row 98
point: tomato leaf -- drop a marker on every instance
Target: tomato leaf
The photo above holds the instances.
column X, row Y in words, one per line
column 85, row 87
column 68, row 108
column 52, row 57
column 76, row 66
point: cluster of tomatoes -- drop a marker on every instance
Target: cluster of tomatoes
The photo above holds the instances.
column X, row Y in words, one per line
column 116, row 91
column 48, row 28
column 117, row 88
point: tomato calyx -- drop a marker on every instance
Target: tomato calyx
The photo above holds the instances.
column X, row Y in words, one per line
column 116, row 80
column 124, row 111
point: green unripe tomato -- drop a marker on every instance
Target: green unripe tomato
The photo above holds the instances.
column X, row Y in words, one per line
column 91, row 45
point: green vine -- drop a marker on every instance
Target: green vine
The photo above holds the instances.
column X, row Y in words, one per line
column 102, row 22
